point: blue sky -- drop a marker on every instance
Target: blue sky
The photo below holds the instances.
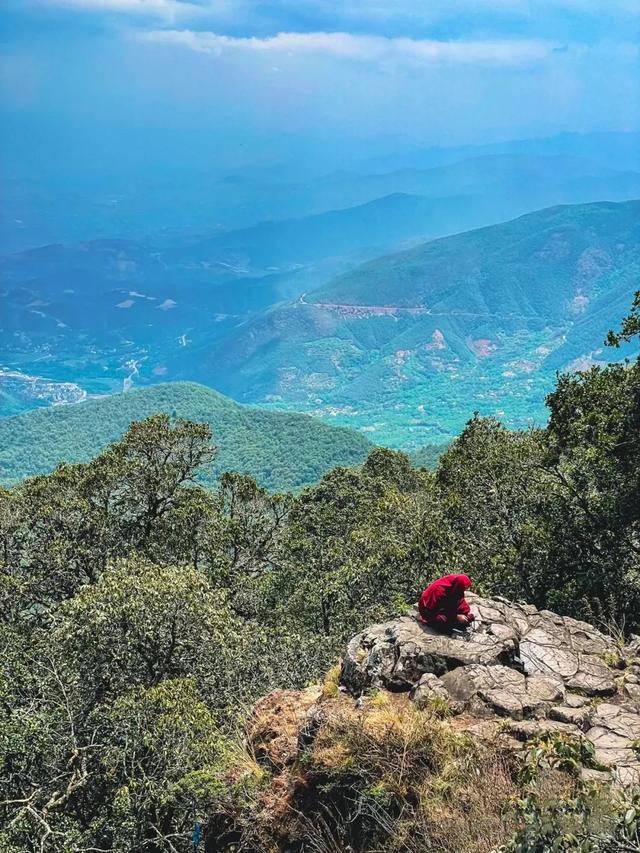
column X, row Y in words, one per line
column 233, row 82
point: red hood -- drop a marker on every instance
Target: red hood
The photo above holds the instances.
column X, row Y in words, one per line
column 449, row 587
column 455, row 583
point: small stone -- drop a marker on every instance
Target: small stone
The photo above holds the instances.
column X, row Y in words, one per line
column 510, row 743
column 543, row 688
column 632, row 690
column 575, row 716
column 524, row 730
column 575, row 700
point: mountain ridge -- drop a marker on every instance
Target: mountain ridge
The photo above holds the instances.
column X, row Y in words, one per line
column 470, row 319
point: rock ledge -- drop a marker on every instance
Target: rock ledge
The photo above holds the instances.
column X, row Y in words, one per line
column 539, row 670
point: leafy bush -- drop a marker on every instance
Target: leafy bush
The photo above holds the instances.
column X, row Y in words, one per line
column 561, row 811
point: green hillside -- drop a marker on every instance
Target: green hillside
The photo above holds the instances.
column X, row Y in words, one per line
column 281, row 450
column 408, row 346
column 530, row 264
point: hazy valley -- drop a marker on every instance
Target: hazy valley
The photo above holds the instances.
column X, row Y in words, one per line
column 309, row 311
column 408, row 345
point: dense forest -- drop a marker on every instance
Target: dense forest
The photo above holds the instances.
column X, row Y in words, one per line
column 283, row 451
column 143, row 614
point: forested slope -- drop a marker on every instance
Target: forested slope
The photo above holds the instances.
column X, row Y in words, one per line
column 410, row 344
column 282, row 451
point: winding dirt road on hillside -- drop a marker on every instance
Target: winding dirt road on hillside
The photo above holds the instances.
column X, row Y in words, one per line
column 392, row 310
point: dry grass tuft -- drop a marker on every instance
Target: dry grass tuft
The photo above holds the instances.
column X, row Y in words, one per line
column 468, row 808
column 419, row 777
column 376, row 776
column 276, row 722
column 331, row 682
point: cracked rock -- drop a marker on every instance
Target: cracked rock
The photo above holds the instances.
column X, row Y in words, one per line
column 396, row 654
column 501, row 690
column 615, row 733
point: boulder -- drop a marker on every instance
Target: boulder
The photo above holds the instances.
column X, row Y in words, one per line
column 575, row 700
column 632, row 691
column 632, row 648
column 430, row 687
column 398, row 653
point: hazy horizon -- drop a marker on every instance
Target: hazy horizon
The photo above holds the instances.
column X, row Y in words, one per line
column 110, row 87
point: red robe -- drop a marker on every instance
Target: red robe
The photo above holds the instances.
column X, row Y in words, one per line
column 443, row 600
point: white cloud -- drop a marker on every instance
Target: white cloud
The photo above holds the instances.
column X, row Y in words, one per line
column 169, row 9
column 368, row 48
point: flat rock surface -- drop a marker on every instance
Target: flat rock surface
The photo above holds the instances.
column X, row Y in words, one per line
column 524, row 730
column 557, row 646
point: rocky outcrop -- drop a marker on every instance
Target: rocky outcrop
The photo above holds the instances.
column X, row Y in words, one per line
column 396, row 654
column 534, row 669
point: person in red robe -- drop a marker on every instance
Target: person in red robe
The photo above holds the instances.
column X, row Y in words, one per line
column 442, row 605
